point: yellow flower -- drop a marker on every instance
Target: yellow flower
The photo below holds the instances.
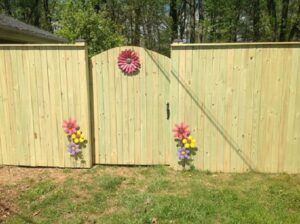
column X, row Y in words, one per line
column 78, row 137
column 189, row 142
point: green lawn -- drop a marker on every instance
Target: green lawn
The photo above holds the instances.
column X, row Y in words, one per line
column 142, row 194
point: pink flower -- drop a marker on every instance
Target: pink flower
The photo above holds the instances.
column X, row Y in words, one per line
column 181, row 131
column 128, row 61
column 70, row 126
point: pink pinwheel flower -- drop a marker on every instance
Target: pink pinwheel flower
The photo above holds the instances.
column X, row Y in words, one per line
column 70, row 126
column 181, row 131
column 128, row 61
column 73, row 149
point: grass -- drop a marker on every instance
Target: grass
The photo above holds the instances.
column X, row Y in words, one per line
column 139, row 195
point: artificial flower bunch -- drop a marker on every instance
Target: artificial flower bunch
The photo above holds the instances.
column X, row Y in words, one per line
column 186, row 144
column 75, row 137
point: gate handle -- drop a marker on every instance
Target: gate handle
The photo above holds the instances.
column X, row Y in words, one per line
column 168, row 110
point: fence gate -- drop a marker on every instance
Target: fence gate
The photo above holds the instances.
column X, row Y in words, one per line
column 130, row 111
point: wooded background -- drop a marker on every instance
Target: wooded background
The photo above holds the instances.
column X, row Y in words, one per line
column 154, row 24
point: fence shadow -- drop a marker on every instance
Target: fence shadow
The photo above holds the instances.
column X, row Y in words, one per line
column 209, row 115
column 90, row 84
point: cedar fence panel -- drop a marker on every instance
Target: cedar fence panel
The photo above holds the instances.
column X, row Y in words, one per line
column 40, row 86
column 242, row 102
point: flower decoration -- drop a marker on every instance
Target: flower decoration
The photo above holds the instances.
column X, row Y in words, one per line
column 78, row 137
column 70, row 126
column 189, row 142
column 181, row 131
column 73, row 149
column 183, row 153
column 186, row 144
column 128, row 61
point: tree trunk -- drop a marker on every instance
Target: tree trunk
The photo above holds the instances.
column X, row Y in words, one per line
column 284, row 16
column 193, row 21
column 174, row 16
column 6, row 5
column 273, row 18
column 182, row 20
column 295, row 27
column 136, row 35
column 35, row 13
column 47, row 16
column 256, row 22
column 237, row 14
column 201, row 20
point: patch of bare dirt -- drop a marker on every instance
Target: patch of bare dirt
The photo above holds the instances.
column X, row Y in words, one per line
column 9, row 195
column 7, row 205
column 15, row 180
column 14, row 175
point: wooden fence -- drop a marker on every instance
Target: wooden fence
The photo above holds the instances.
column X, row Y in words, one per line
column 243, row 104
column 40, row 85
column 131, row 125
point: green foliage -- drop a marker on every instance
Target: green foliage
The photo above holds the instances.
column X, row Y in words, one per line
column 36, row 12
column 154, row 24
column 79, row 20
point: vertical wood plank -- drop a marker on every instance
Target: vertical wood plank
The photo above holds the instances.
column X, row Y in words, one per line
column 119, row 110
column 137, row 112
column 3, row 119
column 256, row 108
column 85, row 105
column 156, row 116
column 241, row 104
column 111, row 74
column 125, row 125
column 290, row 163
column 143, row 96
column 64, row 105
column 100, row 85
column 31, row 103
column 229, row 109
column 131, row 116
column 23, row 140
column 250, row 59
column 199, row 54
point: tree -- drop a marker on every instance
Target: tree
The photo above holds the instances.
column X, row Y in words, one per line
column 35, row 12
column 154, row 24
column 174, row 16
column 80, row 20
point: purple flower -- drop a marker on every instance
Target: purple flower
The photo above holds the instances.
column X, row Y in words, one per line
column 183, row 153
column 73, row 149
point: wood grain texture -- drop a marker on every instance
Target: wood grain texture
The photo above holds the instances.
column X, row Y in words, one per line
column 132, row 108
column 241, row 100
column 244, row 108
column 40, row 86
